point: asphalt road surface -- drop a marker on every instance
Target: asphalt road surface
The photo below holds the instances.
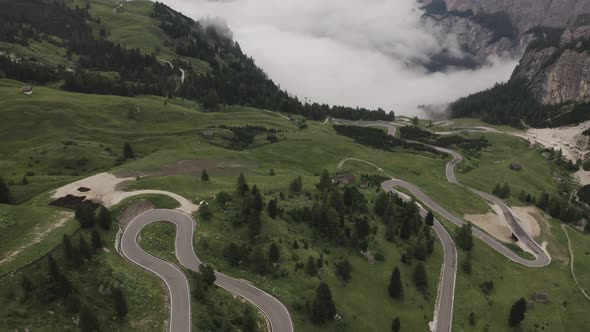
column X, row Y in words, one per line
column 178, row 287
column 444, row 304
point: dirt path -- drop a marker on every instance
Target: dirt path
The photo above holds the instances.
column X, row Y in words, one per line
column 115, row 10
column 569, row 244
column 65, row 216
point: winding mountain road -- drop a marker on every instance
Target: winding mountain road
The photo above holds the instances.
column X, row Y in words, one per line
column 445, row 301
column 178, row 287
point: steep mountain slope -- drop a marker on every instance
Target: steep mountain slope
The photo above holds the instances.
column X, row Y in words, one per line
column 558, row 70
column 549, row 87
column 140, row 48
column 527, row 14
column 501, row 27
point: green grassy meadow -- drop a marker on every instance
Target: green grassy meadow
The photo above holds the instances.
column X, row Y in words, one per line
column 535, row 177
column 79, row 135
column 566, row 310
column 363, row 302
column 581, row 249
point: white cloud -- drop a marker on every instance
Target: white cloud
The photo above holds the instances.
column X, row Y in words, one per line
column 347, row 52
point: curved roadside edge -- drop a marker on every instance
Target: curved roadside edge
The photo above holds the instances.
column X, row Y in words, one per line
column 234, row 281
column 275, row 312
column 542, row 258
column 177, row 320
column 443, row 308
column 571, row 250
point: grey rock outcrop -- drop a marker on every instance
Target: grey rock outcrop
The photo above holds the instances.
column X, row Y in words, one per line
column 480, row 26
column 559, row 74
column 526, row 14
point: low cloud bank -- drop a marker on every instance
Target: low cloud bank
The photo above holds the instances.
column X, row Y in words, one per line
column 348, row 52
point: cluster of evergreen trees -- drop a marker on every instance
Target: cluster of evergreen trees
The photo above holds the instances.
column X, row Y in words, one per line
column 414, row 133
column 405, row 227
column 337, row 214
column 234, row 77
column 507, row 103
column 54, row 283
column 502, row 190
column 243, row 136
column 378, row 139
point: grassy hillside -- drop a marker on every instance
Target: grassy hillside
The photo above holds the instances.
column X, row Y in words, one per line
column 54, row 137
column 564, row 312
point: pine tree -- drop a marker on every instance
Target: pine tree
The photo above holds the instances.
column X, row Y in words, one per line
column 420, row 251
column 207, row 274
column 517, row 312
column 105, row 218
column 429, row 219
column 254, row 224
column 325, row 183
column 420, row 277
column 85, row 216
column 497, row 190
column 395, row 325
column 322, row 308
column 5, row 195
column 274, row 253
column 242, row 186
column 395, row 288
column 128, row 152
column 96, row 240
column 84, row 248
column 505, row 190
column 258, row 202
column 205, row 176
column 211, row 101
column 24, row 181
column 68, row 250
column 344, row 269
column 272, row 172
column 296, row 185
column 272, row 208
column 119, row 302
column 465, row 237
column 53, row 268
column 336, row 200
column 415, row 121
column 311, row 268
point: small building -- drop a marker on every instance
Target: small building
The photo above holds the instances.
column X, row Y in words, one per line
column 516, row 167
column 344, row 178
column 208, row 133
column 541, row 297
column 27, row 90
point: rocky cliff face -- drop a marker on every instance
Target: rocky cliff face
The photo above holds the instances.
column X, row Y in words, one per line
column 558, row 72
column 526, row 14
column 502, row 28
column 478, row 42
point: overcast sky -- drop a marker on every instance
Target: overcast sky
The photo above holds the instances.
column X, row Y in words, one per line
column 346, row 52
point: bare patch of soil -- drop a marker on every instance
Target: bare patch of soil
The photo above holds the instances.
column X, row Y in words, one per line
column 193, row 167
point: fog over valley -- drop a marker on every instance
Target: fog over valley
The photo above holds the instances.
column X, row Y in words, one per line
column 348, row 52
